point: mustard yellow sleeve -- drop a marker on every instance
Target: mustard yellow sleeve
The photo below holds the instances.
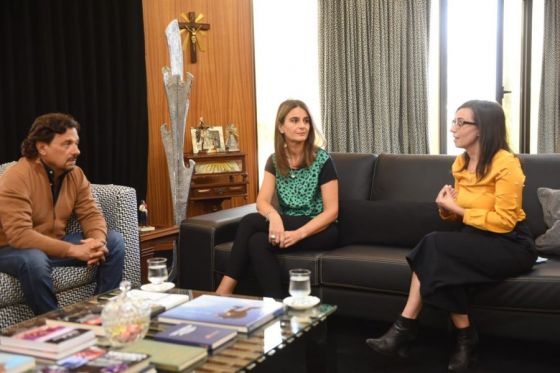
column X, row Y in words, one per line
column 509, row 182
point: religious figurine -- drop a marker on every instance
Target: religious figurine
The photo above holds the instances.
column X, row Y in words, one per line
column 232, row 143
column 143, row 217
column 143, row 214
column 201, row 136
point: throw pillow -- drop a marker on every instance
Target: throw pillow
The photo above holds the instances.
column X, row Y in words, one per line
column 396, row 223
column 548, row 243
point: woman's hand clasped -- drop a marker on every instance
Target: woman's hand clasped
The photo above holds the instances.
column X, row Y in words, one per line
column 446, row 200
column 289, row 238
column 275, row 230
column 284, row 239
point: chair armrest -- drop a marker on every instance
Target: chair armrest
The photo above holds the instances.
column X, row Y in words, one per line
column 118, row 204
column 197, row 238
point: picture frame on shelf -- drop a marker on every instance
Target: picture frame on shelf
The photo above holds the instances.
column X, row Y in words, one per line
column 208, row 140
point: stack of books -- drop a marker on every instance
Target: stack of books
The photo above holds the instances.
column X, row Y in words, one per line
column 47, row 341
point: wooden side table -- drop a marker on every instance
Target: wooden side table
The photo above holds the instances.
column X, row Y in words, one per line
column 160, row 239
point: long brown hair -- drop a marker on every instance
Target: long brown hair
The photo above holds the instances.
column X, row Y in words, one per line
column 309, row 148
column 491, row 122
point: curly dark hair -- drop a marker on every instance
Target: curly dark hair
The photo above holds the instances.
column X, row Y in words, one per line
column 44, row 128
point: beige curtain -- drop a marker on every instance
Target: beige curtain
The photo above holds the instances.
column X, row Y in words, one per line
column 549, row 108
column 373, row 75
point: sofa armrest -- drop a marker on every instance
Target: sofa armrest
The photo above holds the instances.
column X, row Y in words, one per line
column 118, row 204
column 197, row 238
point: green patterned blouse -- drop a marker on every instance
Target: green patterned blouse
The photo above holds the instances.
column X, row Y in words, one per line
column 299, row 193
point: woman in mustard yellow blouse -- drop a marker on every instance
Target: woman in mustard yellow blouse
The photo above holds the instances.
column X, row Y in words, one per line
column 494, row 243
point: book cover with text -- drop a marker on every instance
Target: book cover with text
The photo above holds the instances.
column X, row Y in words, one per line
column 209, row 337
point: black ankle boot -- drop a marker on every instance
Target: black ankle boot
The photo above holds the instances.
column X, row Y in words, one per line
column 396, row 340
column 466, row 350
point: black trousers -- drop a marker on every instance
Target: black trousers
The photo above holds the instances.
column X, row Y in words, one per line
column 251, row 247
column 446, row 263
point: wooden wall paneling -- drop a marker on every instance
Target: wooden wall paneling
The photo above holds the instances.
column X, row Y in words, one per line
column 223, row 89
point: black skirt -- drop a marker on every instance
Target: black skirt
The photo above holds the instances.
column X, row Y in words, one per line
column 447, row 262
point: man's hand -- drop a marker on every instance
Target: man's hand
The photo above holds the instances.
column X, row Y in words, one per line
column 90, row 250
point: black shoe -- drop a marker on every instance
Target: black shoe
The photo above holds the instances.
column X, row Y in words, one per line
column 465, row 354
column 396, row 340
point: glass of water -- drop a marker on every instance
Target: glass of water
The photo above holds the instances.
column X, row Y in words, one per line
column 300, row 285
column 157, row 270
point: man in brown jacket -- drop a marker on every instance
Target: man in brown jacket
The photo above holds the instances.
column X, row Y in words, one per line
column 37, row 197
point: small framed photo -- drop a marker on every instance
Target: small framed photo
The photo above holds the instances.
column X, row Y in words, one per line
column 208, row 140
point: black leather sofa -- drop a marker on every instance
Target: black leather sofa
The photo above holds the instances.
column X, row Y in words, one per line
column 386, row 206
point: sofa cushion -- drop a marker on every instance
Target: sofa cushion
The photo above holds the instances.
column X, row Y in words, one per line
column 548, row 243
column 355, row 174
column 408, row 177
column 384, row 269
column 534, row 291
column 64, row 278
column 398, row 223
column 363, row 267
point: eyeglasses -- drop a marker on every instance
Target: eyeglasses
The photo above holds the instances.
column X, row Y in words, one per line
column 460, row 123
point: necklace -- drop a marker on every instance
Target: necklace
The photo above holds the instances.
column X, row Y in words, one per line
column 293, row 170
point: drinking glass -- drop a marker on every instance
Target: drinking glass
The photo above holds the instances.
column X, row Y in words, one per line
column 300, row 286
column 157, row 270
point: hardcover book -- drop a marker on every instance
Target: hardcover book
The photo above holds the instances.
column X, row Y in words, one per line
column 48, row 355
column 241, row 314
column 79, row 358
column 11, row 363
column 168, row 356
column 117, row 361
column 48, row 338
column 208, row 337
column 82, row 315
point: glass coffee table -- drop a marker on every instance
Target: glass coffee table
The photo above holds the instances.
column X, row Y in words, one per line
column 276, row 346
column 296, row 338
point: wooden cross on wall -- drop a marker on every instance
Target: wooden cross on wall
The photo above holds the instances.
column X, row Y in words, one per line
column 193, row 27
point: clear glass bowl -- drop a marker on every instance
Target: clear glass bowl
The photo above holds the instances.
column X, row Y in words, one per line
column 125, row 319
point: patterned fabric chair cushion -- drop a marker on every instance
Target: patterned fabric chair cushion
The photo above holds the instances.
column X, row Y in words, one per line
column 72, row 284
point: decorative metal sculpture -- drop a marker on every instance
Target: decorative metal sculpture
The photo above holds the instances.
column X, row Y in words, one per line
column 178, row 91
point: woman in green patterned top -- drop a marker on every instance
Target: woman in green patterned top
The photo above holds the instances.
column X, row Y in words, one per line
column 303, row 178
